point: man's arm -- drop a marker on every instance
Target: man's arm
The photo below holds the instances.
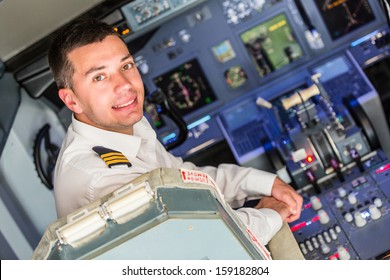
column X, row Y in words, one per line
column 285, row 193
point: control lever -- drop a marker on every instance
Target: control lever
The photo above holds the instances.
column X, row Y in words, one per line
column 336, row 167
column 356, row 157
column 300, row 96
column 313, row 180
column 168, row 108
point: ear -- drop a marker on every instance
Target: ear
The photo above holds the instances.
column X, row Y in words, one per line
column 68, row 97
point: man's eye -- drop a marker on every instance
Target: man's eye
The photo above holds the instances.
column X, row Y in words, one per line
column 128, row 66
column 98, row 78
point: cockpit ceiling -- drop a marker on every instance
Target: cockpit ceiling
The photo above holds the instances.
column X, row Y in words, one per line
column 23, row 23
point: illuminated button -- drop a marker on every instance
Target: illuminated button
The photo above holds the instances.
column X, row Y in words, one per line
column 348, row 217
column 333, row 258
column 378, row 202
column 355, row 183
column 325, row 249
column 315, row 202
column 342, row 192
column 324, row 218
column 339, row 203
column 362, row 180
column 309, row 159
column 352, row 198
column 343, row 253
column 360, row 221
column 333, row 234
column 374, row 212
column 337, row 228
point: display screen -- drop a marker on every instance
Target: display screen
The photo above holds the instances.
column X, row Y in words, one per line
column 224, row 51
column 343, row 16
column 272, row 45
column 186, row 86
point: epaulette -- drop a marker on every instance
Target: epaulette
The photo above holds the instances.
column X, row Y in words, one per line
column 111, row 157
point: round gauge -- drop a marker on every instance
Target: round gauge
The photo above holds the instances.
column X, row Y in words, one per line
column 184, row 91
column 235, row 76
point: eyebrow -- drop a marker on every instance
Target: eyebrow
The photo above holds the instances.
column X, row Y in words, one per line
column 95, row 69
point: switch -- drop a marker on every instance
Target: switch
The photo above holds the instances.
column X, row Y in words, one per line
column 325, row 249
column 339, row 203
column 315, row 202
column 342, row 192
column 333, row 234
column 324, row 218
column 378, row 202
column 343, row 253
column 348, row 217
column 352, row 198
column 374, row 212
column 315, row 242
column 360, row 221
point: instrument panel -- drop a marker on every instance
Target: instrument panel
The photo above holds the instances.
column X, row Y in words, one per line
column 284, row 86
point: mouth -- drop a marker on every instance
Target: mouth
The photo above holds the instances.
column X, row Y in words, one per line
column 124, row 104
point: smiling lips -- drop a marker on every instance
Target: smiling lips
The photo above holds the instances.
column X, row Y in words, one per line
column 123, row 105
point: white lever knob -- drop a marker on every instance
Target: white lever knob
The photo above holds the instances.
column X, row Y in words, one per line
column 324, row 218
column 343, row 253
column 360, row 221
column 315, row 202
column 374, row 212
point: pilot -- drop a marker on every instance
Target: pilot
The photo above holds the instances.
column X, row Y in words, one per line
column 110, row 142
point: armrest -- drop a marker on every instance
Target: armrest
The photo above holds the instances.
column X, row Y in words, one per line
column 283, row 245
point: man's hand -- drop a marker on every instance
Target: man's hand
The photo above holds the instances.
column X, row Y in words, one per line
column 285, row 193
column 272, row 203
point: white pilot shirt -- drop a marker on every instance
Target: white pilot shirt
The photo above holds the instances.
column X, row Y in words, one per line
column 81, row 176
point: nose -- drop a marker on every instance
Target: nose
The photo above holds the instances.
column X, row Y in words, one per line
column 121, row 83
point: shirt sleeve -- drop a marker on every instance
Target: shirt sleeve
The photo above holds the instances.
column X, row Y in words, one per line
column 237, row 183
column 264, row 223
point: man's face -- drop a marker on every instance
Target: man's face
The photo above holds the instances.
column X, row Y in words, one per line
column 107, row 92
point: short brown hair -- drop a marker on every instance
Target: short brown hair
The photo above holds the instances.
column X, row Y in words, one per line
column 74, row 35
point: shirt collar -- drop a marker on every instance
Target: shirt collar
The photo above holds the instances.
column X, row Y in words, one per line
column 127, row 144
